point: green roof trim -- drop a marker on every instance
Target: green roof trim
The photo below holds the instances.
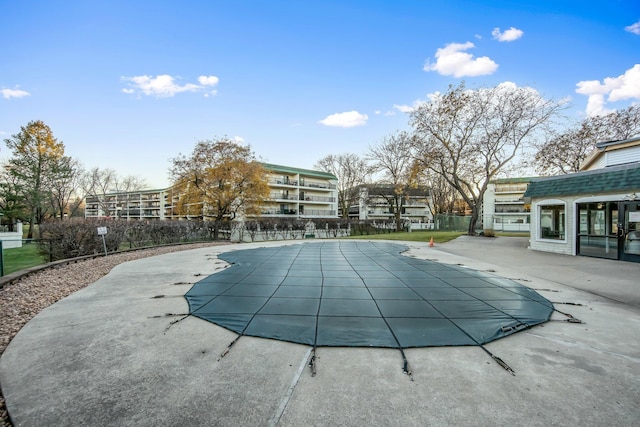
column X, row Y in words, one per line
column 129, row 192
column 299, row 171
column 519, row 180
column 599, row 181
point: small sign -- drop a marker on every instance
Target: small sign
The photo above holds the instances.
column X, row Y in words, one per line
column 634, row 216
column 102, row 231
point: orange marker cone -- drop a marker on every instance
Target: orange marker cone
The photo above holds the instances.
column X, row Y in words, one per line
column 431, row 243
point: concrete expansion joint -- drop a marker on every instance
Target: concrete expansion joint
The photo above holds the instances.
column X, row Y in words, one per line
column 632, row 358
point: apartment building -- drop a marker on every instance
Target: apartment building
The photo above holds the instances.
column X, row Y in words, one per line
column 135, row 205
column 294, row 193
column 378, row 203
column 300, row 193
column 503, row 205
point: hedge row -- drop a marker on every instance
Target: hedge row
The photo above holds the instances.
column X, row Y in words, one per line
column 78, row 237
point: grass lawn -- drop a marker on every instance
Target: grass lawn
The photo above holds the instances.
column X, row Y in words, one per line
column 20, row 258
column 414, row 236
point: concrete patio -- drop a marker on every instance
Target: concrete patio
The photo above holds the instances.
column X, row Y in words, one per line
column 109, row 355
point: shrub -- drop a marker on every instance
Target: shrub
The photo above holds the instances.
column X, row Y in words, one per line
column 78, row 237
column 488, row 233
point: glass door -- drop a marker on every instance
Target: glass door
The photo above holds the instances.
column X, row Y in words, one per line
column 629, row 231
column 598, row 230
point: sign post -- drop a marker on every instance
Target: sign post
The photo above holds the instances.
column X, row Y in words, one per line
column 102, row 231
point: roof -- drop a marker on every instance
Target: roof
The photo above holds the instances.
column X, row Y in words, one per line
column 299, row 171
column 605, row 146
column 599, row 181
column 512, row 180
column 130, row 192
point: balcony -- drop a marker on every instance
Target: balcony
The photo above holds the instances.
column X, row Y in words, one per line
column 318, row 212
column 510, row 200
column 320, row 185
column 283, row 196
column 282, row 181
column 513, row 188
column 278, row 212
column 512, row 210
column 322, row 199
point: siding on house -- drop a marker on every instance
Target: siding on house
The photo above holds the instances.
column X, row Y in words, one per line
column 503, row 206
column 566, row 246
column 610, row 153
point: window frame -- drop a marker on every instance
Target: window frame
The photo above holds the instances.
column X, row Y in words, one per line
column 562, row 233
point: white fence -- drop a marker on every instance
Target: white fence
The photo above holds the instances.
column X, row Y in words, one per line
column 12, row 239
column 519, row 228
column 422, row 226
column 240, row 233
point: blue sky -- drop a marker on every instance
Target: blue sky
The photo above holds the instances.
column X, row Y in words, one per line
column 128, row 85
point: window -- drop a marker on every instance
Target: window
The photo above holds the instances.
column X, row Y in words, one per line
column 552, row 222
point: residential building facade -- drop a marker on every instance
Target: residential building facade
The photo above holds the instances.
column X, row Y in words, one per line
column 594, row 212
column 377, row 202
column 503, row 205
column 300, row 193
column 135, row 205
column 294, row 193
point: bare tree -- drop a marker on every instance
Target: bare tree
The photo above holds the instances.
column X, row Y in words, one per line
column 65, row 187
column 101, row 182
column 352, row 171
column 393, row 159
column 468, row 136
column 565, row 151
column 130, row 183
column 442, row 196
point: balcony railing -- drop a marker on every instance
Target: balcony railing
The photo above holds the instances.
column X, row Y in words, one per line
column 318, row 185
column 281, row 196
column 511, row 210
column 280, row 181
column 323, row 199
column 509, row 200
column 318, row 212
column 278, row 212
column 513, row 188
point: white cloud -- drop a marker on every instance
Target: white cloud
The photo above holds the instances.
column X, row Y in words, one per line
column 165, row 86
column 408, row 108
column 634, row 28
column 416, row 104
column 451, row 60
column 611, row 89
column 13, row 93
column 347, row 119
column 508, row 35
column 208, row 80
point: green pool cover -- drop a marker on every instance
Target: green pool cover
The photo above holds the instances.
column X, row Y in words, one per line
column 362, row 294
